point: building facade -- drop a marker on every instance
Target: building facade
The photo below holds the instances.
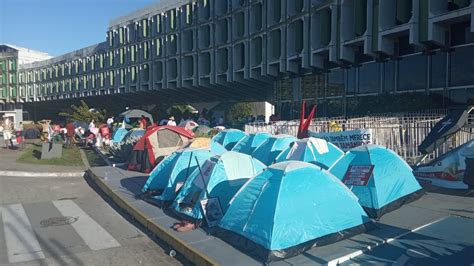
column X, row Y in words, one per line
column 11, row 96
column 334, row 53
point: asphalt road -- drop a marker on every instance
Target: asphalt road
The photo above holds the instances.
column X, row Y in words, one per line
column 63, row 221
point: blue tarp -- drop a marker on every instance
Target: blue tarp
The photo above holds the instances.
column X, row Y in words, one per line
column 286, row 207
column 174, row 169
column 391, row 180
column 312, row 150
column 226, row 140
column 269, row 150
column 248, row 144
column 224, row 175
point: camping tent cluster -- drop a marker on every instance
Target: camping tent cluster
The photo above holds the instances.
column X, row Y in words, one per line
column 279, row 196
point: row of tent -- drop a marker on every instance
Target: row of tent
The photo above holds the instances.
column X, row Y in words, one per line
column 279, row 195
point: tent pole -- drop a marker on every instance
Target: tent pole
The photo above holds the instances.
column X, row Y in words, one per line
column 202, row 178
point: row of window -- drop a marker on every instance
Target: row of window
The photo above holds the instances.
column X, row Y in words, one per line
column 111, row 78
column 409, row 73
column 9, row 64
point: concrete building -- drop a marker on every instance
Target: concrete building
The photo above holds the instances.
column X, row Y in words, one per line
column 10, row 58
column 334, row 53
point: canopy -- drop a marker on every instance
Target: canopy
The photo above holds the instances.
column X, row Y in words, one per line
column 172, row 170
column 269, row 150
column 289, row 208
column 249, row 143
column 226, row 140
column 135, row 113
column 158, row 141
column 222, row 176
column 449, row 125
column 312, row 150
column 381, row 179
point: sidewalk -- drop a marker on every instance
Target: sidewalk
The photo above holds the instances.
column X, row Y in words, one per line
column 8, row 164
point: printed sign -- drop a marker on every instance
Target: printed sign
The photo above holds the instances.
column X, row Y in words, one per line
column 212, row 211
column 346, row 140
column 206, row 169
column 358, row 175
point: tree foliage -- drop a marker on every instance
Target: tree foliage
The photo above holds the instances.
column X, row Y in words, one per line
column 237, row 112
column 84, row 113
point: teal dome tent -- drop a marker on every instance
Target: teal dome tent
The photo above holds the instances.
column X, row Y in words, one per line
column 248, row 144
column 174, row 169
column 312, row 150
column 289, row 208
column 223, row 175
column 391, row 182
column 226, row 140
column 269, row 150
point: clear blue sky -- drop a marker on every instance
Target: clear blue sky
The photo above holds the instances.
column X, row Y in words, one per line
column 60, row 26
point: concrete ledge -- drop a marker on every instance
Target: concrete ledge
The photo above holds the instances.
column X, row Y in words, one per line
column 42, row 175
column 179, row 245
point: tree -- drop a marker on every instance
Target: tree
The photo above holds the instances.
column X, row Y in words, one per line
column 84, row 113
column 237, row 112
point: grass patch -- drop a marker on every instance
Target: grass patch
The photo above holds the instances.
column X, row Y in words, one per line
column 32, row 155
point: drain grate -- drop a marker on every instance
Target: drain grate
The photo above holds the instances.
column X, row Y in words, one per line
column 58, row 221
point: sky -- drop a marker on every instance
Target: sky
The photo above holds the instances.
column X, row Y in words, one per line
column 60, row 26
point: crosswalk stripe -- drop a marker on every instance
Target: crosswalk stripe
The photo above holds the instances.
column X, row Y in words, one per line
column 90, row 231
column 22, row 244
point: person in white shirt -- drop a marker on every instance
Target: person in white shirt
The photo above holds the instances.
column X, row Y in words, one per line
column 171, row 121
column 110, row 122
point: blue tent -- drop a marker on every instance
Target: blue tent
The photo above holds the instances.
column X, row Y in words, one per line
column 119, row 134
column 289, row 208
column 312, row 150
column 223, row 174
column 226, row 140
column 133, row 133
column 248, row 144
column 391, row 182
column 173, row 170
column 269, row 150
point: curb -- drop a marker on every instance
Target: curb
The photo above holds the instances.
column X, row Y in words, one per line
column 43, row 175
column 190, row 253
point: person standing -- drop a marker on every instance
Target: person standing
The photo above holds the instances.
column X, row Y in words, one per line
column 171, row 122
column 110, row 123
column 70, row 133
column 7, row 132
column 143, row 123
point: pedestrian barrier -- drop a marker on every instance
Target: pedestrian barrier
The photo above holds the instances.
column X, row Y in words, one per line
column 401, row 132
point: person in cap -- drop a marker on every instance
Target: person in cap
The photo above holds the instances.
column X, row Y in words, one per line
column 171, row 121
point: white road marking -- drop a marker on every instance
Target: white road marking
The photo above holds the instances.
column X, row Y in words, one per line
column 20, row 238
column 354, row 254
column 90, row 231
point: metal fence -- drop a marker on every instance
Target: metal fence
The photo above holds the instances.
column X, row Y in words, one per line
column 401, row 132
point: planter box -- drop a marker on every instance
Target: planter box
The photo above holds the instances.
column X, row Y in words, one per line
column 51, row 150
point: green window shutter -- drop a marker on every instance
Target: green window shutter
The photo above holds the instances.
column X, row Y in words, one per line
column 403, row 13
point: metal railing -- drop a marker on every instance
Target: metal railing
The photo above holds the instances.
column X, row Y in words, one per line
column 400, row 132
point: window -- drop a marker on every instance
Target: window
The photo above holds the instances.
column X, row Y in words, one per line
column 389, row 78
column 122, row 76
column 412, row 73
column 351, row 80
column 461, row 71
column 110, row 37
column 111, row 78
column 132, row 53
column 159, row 47
column 84, row 82
column 101, row 79
column 101, row 61
column 145, row 73
column 111, row 58
column 438, row 70
column 122, row 55
column 369, row 78
column 158, row 23
column 93, row 62
column 335, row 85
column 121, row 35
column 145, row 27
column 146, row 50
column 134, row 74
